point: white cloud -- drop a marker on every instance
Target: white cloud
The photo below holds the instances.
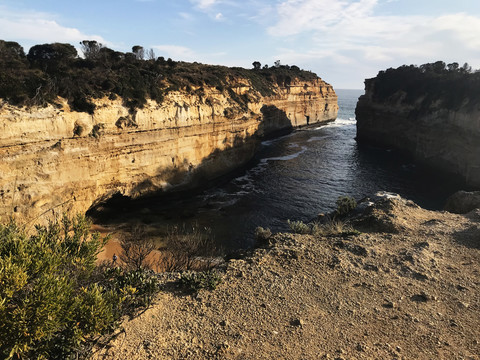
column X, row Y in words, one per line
column 219, row 17
column 342, row 28
column 36, row 27
column 204, row 4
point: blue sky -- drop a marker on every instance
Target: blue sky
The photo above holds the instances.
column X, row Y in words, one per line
column 343, row 41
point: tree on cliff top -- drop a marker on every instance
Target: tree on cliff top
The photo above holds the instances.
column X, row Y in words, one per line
column 91, row 49
column 52, row 70
column 450, row 84
column 139, row 52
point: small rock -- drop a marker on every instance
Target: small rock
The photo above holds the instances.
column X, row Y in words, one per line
column 463, row 305
column 361, row 347
column 422, row 297
column 422, row 245
column 389, row 305
column 296, row 322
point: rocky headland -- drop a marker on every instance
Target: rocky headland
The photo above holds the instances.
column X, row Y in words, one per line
column 405, row 287
column 185, row 124
column 430, row 112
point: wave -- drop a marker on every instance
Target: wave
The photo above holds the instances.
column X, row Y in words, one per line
column 284, row 158
column 271, row 141
column 339, row 122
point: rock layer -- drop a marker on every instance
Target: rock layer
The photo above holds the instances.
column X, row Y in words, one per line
column 55, row 159
column 440, row 136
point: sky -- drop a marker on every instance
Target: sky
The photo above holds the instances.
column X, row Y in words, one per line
column 342, row 41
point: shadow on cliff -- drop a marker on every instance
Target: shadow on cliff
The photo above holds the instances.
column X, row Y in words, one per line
column 182, row 179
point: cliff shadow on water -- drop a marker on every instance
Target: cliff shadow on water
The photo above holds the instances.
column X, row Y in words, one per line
column 291, row 177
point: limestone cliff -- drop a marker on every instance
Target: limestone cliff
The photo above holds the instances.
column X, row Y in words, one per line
column 433, row 117
column 54, row 159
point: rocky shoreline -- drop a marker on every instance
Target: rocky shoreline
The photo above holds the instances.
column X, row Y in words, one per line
column 406, row 287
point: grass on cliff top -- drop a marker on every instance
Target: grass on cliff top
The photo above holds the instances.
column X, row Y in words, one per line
column 52, row 70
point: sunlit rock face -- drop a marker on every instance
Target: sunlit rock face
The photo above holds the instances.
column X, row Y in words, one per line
column 442, row 136
column 55, row 160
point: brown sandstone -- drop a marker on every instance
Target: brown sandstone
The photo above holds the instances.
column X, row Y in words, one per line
column 55, row 160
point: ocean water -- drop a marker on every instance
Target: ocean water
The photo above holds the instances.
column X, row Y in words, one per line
column 294, row 177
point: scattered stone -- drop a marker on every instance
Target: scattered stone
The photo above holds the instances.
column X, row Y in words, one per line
column 288, row 309
column 297, row 322
column 362, row 347
column 422, row 297
column 389, row 305
column 463, row 305
column 422, row 245
column 371, row 267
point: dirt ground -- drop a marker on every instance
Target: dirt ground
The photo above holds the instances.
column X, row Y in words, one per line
column 406, row 287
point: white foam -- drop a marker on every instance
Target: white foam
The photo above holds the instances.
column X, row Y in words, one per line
column 286, row 157
column 338, row 123
column 270, row 142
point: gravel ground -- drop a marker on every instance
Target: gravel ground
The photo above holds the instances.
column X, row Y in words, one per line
column 406, row 287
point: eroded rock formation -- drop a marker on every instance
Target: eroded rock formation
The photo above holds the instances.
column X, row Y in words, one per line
column 54, row 159
column 435, row 118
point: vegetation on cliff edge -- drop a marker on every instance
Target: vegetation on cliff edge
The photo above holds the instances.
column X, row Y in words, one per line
column 423, row 86
column 54, row 299
column 52, row 70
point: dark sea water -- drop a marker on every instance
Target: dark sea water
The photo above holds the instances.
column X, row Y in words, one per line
column 294, row 177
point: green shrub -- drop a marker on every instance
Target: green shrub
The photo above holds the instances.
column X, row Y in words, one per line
column 194, row 281
column 262, row 235
column 52, row 70
column 53, row 297
column 333, row 228
column 137, row 287
column 299, row 227
column 345, row 204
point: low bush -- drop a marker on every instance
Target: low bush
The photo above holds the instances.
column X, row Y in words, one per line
column 262, row 235
column 53, row 298
column 333, row 228
column 194, row 281
column 52, row 70
column 345, row 204
column 188, row 248
column 299, row 227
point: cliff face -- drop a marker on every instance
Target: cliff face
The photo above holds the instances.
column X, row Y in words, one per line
column 54, row 159
column 425, row 125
